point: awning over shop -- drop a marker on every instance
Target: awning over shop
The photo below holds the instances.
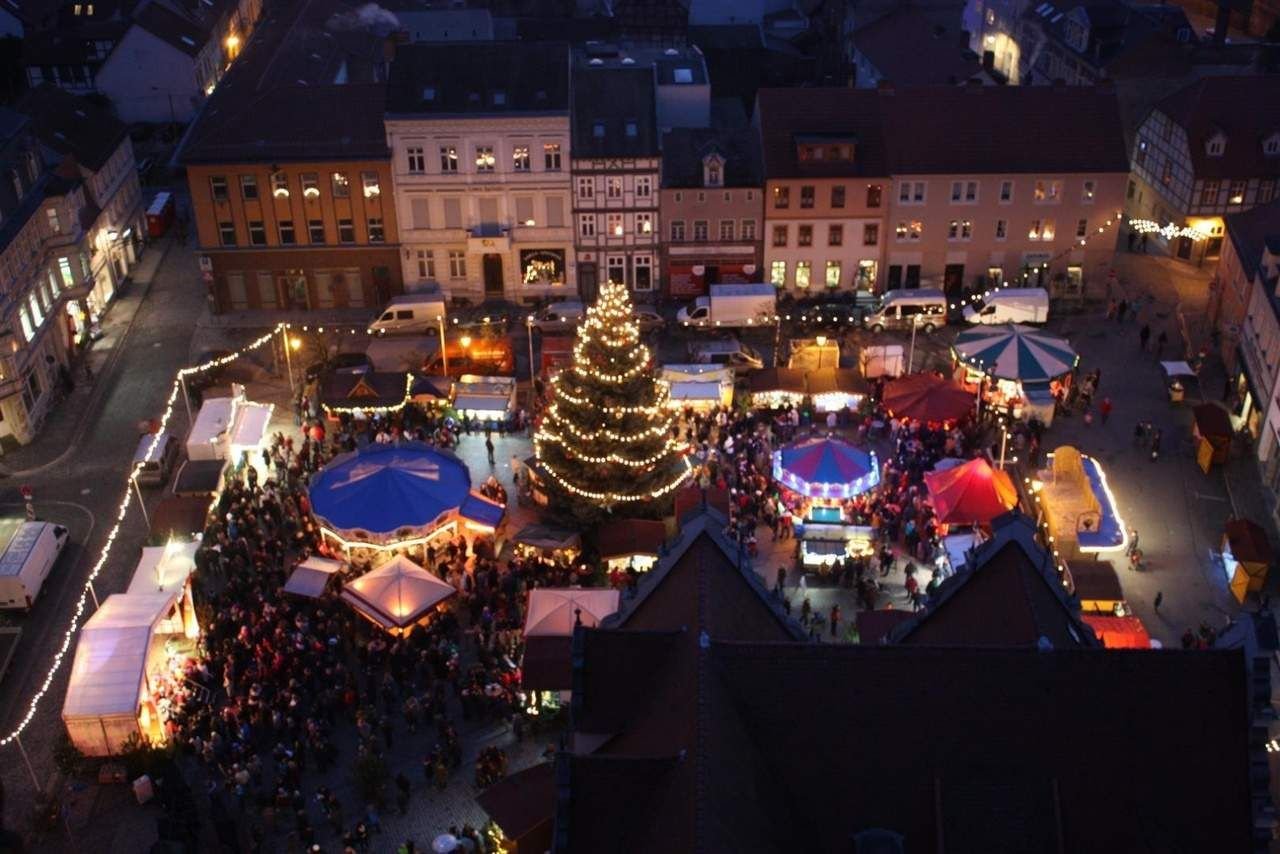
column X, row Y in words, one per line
column 837, row 380
column 787, row 380
column 481, row 510
column 1119, row 632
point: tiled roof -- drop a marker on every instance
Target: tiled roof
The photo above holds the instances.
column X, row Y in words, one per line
column 173, row 29
column 947, row 130
column 684, row 149
column 614, row 113
column 72, row 125
column 479, row 79
column 907, row 48
column 1246, row 109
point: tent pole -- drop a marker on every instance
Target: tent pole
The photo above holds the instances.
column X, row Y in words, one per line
column 142, row 505
column 17, row 739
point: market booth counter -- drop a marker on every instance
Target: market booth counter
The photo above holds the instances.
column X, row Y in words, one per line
column 834, row 389
column 631, row 543
column 1246, row 557
column 700, row 387
column 776, row 388
column 1213, row 434
column 1078, row 506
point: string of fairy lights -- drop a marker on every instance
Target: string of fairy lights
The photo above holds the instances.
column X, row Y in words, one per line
column 611, row 324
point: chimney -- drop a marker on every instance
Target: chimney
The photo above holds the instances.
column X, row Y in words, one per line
column 1222, row 23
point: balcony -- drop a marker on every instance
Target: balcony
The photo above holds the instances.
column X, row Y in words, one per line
column 488, row 238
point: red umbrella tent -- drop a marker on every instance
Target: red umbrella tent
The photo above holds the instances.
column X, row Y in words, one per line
column 970, row 493
column 927, row 397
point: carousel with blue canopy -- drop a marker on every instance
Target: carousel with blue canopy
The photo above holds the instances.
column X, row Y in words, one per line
column 1021, row 363
column 826, row 472
column 388, row 496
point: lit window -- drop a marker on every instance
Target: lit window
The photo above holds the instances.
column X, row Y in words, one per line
column 803, row 271
column 520, row 158
column 341, row 185
column 486, row 161
column 778, row 273
column 369, row 182
column 833, row 274
column 448, row 158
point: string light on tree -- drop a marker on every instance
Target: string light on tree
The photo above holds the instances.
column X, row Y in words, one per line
column 607, row 438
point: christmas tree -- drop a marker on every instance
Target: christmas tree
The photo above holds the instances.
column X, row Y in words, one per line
column 605, row 440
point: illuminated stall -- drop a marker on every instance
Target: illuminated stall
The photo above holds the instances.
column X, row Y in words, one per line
column 776, row 388
column 538, row 540
column 1095, row 585
column 550, row 619
column 1019, row 364
column 827, row 471
column 397, row 595
column 1246, row 557
column 972, row 493
column 227, row 427
column 364, row 393
column 700, row 387
column 386, row 497
column 484, row 398
column 168, row 569
column 633, row 543
column 833, row 389
column 814, row 354
column 1078, row 506
column 1126, row 632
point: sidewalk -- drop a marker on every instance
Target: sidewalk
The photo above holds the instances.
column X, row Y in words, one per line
column 64, row 423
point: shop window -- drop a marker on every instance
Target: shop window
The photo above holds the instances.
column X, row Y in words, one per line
column 315, row 231
column 643, row 273
column 833, row 274
column 778, row 273
column 803, row 271
column 616, row 269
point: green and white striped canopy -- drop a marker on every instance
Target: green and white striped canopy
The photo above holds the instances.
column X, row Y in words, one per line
column 1014, row 352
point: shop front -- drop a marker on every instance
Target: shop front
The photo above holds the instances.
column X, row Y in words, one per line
column 1246, row 406
column 541, row 268
column 691, row 276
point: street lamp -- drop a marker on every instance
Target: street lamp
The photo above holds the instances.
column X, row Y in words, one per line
column 291, row 343
column 444, row 351
column 528, row 324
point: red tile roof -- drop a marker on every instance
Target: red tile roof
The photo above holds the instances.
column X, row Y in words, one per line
column 1246, row 109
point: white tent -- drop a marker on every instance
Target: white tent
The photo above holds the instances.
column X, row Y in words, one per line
column 107, row 689
column 205, row 441
column 397, row 594
column 698, row 385
column 164, row 569
column 552, row 611
column 249, row 429
column 310, row 577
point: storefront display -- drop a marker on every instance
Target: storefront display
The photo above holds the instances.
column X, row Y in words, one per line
column 542, row 266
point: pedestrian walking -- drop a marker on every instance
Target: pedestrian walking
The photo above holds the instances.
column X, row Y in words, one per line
column 1144, row 335
column 488, row 449
column 1159, row 600
column 1133, row 541
column 1104, row 409
column 1161, row 340
column 782, row 580
column 835, row 620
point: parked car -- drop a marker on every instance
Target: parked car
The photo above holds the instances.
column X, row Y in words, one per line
column 505, row 315
column 831, row 314
column 649, row 320
column 728, row 352
column 560, row 316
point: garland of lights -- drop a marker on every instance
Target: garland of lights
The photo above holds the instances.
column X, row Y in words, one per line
column 376, row 410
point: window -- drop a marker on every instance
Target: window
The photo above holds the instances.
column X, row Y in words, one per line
column 248, row 187
column 310, row 185
column 1266, row 190
column 1236, row 195
column 315, row 231
column 1088, row 191
column 419, row 213
column 457, row 264
column 453, row 213
column 51, row 214
column 613, row 223
column 873, row 195
column 1209, row 193
column 957, row 190
column 1033, row 233
column 587, row 225
column 1006, row 192
column 586, row 188
column 1272, row 145
column 426, row 264
column 613, row 188
column 1082, row 227
column 781, row 198
column 727, row 228
column 279, row 185
column 748, row 229
column 341, row 185
column 555, row 212
column 778, row 274
column 700, row 231
column 346, row 231
column 1040, row 230
column 524, row 211
column 677, row 230
column 375, row 230
column 1140, row 156
column 970, row 192
column 1216, row 146
column 804, row 235
column 644, row 223
column 642, row 273
column 909, row 230
column 959, row 229
column 485, row 159
column 803, row 271
column 597, row 130
column 1047, row 192
column 1166, row 172
column 644, row 187
column 449, row 158
column 520, row 158
column 1002, row 229
column 702, row 197
column 713, row 173
column 287, row 237
column 835, row 235
column 806, row 196
column 953, row 230
column 870, row 234
column 227, row 233
column 1047, row 231
column 257, row 233
column 837, row 196
column 833, row 274
column 551, row 156
column 911, row 192
column 780, row 235
column 966, row 229
column 631, row 129
column 217, row 185
column 416, row 159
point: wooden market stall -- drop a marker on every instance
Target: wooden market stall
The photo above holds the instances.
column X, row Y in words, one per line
column 633, row 543
column 774, row 388
column 1246, row 557
column 1212, row 432
column 699, row 387
column 1095, row 585
column 833, row 389
column 1078, row 505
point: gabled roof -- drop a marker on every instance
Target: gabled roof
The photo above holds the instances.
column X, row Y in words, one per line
column 908, row 49
column 685, row 149
column 72, row 125
column 496, row 78
column 614, row 112
column 1244, row 108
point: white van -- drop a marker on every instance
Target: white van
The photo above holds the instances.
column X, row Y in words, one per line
column 729, row 352
column 1010, row 305
column 30, row 551
column 155, row 470
column 899, row 309
column 411, row 313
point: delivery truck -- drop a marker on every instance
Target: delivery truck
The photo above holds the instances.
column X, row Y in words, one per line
column 30, row 551
column 731, row 305
column 1010, row 305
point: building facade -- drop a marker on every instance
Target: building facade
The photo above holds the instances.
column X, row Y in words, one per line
column 1207, row 151
column 712, row 208
column 482, row 185
column 825, row 233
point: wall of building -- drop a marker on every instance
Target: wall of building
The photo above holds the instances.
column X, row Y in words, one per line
column 616, row 223
column 1230, row 304
column 731, row 252
column 149, row 80
column 521, row 217
column 854, row 263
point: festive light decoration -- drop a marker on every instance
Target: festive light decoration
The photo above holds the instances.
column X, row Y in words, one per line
column 86, row 592
column 607, row 436
column 376, row 410
column 1168, row 231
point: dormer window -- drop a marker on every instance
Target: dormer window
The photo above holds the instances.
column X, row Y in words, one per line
column 713, row 171
column 1271, row 145
column 1216, row 145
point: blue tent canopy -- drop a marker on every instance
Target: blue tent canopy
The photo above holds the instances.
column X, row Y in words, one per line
column 381, row 489
column 1014, row 352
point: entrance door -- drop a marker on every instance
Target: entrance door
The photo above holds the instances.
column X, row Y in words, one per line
column 913, row 275
column 895, row 278
column 953, row 281
column 492, row 275
column 588, row 280
column 1184, row 248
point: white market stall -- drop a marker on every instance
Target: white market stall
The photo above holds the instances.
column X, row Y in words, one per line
column 551, row 617
column 125, row 654
column 310, row 578
column 484, row 398
column 700, row 387
column 228, row 427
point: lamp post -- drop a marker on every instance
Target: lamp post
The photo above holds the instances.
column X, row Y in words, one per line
column 528, row 326
column 291, row 343
column 465, row 342
column 444, row 351
column 911, row 356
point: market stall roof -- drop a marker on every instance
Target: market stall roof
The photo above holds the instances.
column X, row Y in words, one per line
column 1248, row 541
column 396, row 594
column 476, row 392
column 1119, row 632
column 199, row 478
column 430, row 386
column 825, row 467
column 482, row 401
column 111, row 655
column 828, row 380
column 1212, row 421
column 164, row 569
column 212, row 421
column 482, row 510
column 686, row 390
column 383, row 488
column 541, row 536
column 521, row 802
column 343, row 390
column 927, row 397
column 1011, row 351
column 631, row 537
column 764, row 380
column 1095, row 580
column 179, row 516
column 970, row 493
column 310, row 577
column 252, row 421
column 554, row 611
column 1177, row 369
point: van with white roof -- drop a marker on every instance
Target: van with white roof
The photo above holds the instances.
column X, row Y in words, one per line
column 30, row 549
